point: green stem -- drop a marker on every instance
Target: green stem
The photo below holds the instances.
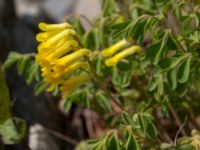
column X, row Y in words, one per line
column 101, row 84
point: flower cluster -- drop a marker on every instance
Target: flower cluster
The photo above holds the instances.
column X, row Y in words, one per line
column 110, row 53
column 61, row 57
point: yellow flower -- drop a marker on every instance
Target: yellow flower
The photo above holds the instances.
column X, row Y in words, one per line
column 73, row 83
column 72, row 68
column 124, row 53
column 55, row 39
column 44, row 36
column 114, row 48
column 65, row 61
column 63, row 49
column 60, row 56
column 46, row 27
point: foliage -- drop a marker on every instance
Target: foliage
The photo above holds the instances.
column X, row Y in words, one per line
column 12, row 130
column 162, row 79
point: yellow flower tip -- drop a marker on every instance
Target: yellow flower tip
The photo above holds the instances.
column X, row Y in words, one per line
column 73, row 83
column 42, row 61
column 136, row 48
column 77, row 65
column 40, row 37
column 62, row 50
column 44, row 36
column 71, row 58
column 116, row 58
column 106, row 52
column 43, row 48
column 46, row 27
column 42, row 26
column 114, row 48
column 110, row 62
column 53, row 41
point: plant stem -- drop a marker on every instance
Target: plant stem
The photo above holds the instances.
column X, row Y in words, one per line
column 61, row 136
column 102, row 85
column 177, row 119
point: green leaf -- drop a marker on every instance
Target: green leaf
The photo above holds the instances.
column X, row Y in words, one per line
column 127, row 118
column 185, row 147
column 78, row 26
column 40, row 87
column 67, row 104
column 158, row 48
column 132, row 143
column 82, row 98
column 85, row 100
column 119, row 26
column 184, row 71
column 139, row 31
column 90, row 40
column 114, row 142
column 172, row 78
column 151, row 130
column 171, row 42
column 105, row 102
column 12, row 132
column 13, row 57
column 160, row 85
column 109, row 7
column 168, row 63
column 130, row 30
column 21, row 63
column 32, row 72
column 4, row 98
column 181, row 88
column 152, row 52
column 118, row 29
column 152, row 84
column 166, row 146
column 142, row 122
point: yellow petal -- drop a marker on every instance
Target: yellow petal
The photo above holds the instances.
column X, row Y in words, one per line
column 73, row 83
column 55, row 39
column 46, row 27
column 42, row 48
column 62, row 50
column 116, row 58
column 66, row 61
column 114, row 48
column 76, row 66
column 44, row 36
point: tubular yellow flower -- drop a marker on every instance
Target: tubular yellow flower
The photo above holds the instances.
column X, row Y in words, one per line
column 44, row 36
column 114, row 48
column 66, row 61
column 44, row 50
column 46, row 27
column 52, row 41
column 69, row 70
column 73, row 83
column 62, row 50
column 43, row 62
column 116, row 58
column 60, row 56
